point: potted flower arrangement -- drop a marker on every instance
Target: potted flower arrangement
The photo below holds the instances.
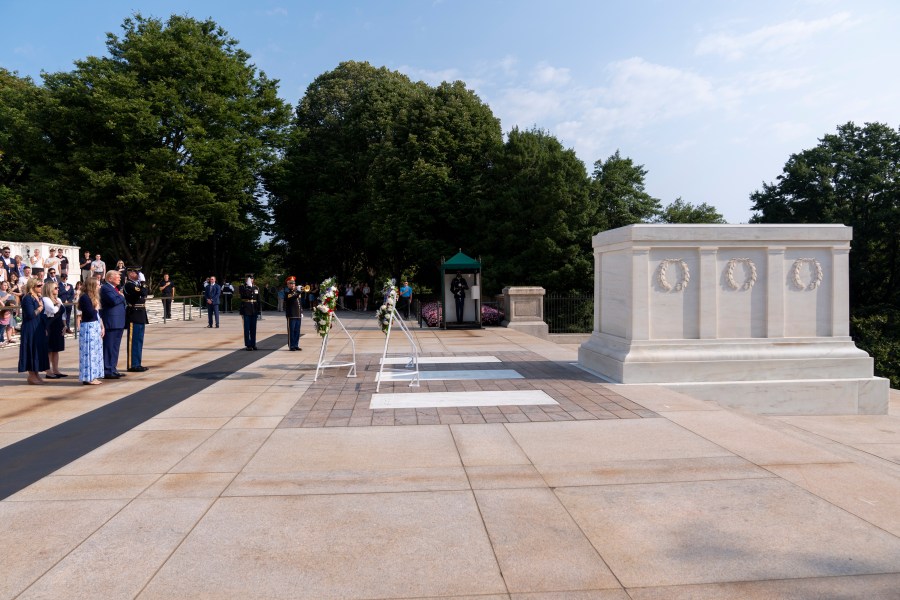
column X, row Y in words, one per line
column 323, row 315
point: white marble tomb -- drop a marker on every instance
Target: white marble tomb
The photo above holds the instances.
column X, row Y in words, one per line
column 751, row 316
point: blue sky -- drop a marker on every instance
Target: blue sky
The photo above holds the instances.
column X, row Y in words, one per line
column 711, row 97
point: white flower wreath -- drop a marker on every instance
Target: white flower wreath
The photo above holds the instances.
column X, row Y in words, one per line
column 661, row 275
column 817, row 274
column 323, row 315
column 383, row 314
column 729, row 274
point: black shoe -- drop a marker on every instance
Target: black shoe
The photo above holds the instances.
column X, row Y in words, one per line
column 209, row 326
column 255, row 348
column 217, row 326
column 137, row 369
column 113, row 376
column 248, row 348
column 117, row 374
column 51, row 376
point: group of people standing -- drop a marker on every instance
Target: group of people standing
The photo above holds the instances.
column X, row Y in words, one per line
column 108, row 311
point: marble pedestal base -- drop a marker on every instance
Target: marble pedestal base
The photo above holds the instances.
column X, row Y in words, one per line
column 784, row 377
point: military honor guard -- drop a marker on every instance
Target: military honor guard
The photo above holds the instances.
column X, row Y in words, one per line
column 250, row 310
column 135, row 293
column 293, row 312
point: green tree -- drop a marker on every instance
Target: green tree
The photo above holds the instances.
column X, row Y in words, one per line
column 537, row 228
column 160, row 144
column 384, row 172
column 851, row 177
column 19, row 136
column 680, row 211
column 617, row 189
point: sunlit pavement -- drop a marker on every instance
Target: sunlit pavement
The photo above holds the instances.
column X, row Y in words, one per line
column 223, row 473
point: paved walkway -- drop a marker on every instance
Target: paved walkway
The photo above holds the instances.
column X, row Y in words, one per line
column 221, row 473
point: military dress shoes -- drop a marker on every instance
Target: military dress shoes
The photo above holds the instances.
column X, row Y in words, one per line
column 138, row 369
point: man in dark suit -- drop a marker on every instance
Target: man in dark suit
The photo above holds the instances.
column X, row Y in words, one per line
column 135, row 293
column 212, row 293
column 112, row 312
column 67, row 295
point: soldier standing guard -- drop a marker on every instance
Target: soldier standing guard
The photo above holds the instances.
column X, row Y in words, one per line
column 250, row 309
column 293, row 313
column 135, row 293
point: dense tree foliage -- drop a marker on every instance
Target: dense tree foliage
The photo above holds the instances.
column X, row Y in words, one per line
column 537, row 228
column 680, row 211
column 381, row 174
column 19, row 136
column 618, row 191
column 157, row 147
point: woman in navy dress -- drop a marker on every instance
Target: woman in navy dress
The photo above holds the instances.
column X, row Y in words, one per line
column 56, row 340
column 33, row 353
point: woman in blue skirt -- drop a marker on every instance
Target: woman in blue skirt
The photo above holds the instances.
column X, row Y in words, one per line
column 90, row 336
column 33, row 354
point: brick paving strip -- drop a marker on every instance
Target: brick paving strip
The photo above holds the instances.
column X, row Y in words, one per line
column 338, row 401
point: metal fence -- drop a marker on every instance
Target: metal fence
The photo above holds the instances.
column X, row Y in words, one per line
column 567, row 313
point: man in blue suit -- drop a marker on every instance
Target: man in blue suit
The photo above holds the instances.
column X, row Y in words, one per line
column 112, row 312
column 211, row 294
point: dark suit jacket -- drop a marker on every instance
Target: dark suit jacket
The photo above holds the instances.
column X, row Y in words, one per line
column 212, row 292
column 66, row 292
column 112, row 307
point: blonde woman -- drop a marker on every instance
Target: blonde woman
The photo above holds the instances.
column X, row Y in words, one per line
column 56, row 339
column 90, row 335
column 33, row 353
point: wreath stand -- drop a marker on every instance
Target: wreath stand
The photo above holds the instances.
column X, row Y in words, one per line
column 413, row 362
column 323, row 364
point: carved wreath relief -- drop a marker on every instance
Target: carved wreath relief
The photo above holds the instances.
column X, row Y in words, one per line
column 749, row 280
column 816, row 278
column 664, row 282
column 751, row 277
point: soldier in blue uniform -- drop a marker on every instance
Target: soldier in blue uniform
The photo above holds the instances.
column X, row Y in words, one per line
column 250, row 310
column 293, row 312
column 135, row 293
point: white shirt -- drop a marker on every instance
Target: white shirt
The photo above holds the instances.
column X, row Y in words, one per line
column 51, row 262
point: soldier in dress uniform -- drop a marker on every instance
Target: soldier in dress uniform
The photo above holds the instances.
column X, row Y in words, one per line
column 293, row 312
column 135, row 293
column 250, row 310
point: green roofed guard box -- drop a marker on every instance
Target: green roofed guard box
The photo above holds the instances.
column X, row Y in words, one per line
column 464, row 301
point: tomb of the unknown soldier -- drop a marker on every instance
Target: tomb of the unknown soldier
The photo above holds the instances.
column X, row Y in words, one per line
column 751, row 316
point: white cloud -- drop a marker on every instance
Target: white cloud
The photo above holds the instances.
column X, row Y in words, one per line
column 545, row 74
column 431, row 77
column 790, row 131
column 773, row 38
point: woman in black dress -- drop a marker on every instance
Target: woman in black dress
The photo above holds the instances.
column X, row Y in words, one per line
column 33, row 353
column 56, row 340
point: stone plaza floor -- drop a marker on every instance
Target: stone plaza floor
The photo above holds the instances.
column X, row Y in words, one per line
column 221, row 473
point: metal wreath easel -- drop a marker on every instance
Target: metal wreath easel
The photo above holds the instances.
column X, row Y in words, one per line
column 323, row 364
column 413, row 362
